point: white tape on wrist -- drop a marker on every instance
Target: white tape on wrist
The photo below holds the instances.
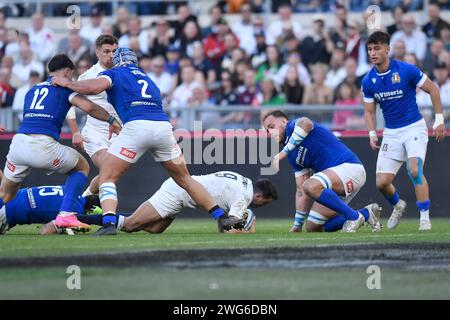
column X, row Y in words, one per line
column 438, row 120
column 296, row 138
column 372, row 134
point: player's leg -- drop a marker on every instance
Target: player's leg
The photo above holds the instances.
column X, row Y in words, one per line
column 416, row 150
column 390, row 159
column 327, row 188
column 319, row 216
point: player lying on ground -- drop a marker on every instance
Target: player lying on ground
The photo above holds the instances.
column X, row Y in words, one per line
column 41, row 205
column 339, row 174
column 36, row 143
column 393, row 85
column 137, row 100
column 232, row 192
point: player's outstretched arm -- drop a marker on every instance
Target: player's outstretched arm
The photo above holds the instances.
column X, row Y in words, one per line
column 371, row 123
column 439, row 125
column 86, row 87
column 77, row 137
column 97, row 112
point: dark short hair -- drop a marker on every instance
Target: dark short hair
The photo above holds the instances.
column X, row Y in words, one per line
column 276, row 114
column 92, row 201
column 105, row 39
column 266, row 188
column 378, row 37
column 59, row 62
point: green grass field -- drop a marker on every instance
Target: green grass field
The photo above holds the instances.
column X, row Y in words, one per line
column 261, row 282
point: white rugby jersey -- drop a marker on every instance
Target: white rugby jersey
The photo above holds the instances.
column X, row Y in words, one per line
column 232, row 191
column 101, row 99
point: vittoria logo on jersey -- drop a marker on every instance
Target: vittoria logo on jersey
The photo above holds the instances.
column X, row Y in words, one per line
column 388, row 95
column 31, row 198
column 128, row 153
column 395, row 77
column 10, row 166
column 301, row 156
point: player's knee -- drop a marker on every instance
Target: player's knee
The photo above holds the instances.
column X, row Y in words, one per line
column 312, row 188
column 82, row 166
column 312, row 227
column 382, row 183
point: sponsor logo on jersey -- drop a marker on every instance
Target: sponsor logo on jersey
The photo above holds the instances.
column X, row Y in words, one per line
column 395, row 77
column 31, row 198
column 388, row 95
column 128, row 153
column 301, row 155
column 349, row 186
column 374, row 80
column 10, row 166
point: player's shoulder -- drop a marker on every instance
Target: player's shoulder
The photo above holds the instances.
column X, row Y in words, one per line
column 405, row 66
column 366, row 79
column 91, row 73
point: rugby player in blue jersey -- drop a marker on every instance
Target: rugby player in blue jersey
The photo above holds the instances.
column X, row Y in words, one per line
column 36, row 143
column 137, row 100
column 337, row 177
column 392, row 84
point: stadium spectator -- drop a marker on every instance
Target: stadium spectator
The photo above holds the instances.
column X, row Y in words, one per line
column 183, row 92
column 355, row 46
column 93, row 29
column 432, row 56
column 293, row 60
column 183, row 16
column 289, row 43
column 351, row 73
column 318, row 92
column 120, row 28
column 317, row 47
column 173, row 60
column 260, row 55
column 145, row 63
column 12, row 48
column 272, row 64
column 203, row 65
column 209, row 119
column 435, row 24
column 134, row 30
column 215, row 14
column 414, row 38
column 191, row 34
column 442, row 80
column 161, row 77
column 399, row 50
column 134, row 45
column 229, row 62
column 19, row 97
column 42, row 40
column 3, row 41
column 107, row 28
column 292, row 88
column 445, row 37
column 283, row 25
column 64, row 43
column 249, row 91
column 411, row 5
column 412, row 59
column 338, row 33
column 336, row 73
column 23, row 66
column 76, row 50
column 226, row 94
column 347, row 95
column 238, row 74
column 269, row 94
column 245, row 31
column 235, row 6
column 6, row 90
column 397, row 14
column 161, row 40
column 81, row 67
column 214, row 44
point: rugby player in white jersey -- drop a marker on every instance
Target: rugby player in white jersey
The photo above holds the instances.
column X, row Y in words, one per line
column 232, row 192
column 94, row 138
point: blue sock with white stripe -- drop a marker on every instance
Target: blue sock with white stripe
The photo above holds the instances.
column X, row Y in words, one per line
column 72, row 191
column 334, row 224
column 330, row 199
column 365, row 213
column 300, row 217
column 394, row 199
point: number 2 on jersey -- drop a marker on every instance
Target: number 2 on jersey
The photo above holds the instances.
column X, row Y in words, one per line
column 144, row 89
column 42, row 93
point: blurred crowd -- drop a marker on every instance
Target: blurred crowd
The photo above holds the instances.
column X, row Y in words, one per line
column 249, row 62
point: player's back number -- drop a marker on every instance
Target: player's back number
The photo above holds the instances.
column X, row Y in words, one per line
column 226, row 175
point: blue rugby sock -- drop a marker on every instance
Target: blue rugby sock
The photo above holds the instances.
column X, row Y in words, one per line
column 72, row 191
column 330, row 199
column 334, row 224
column 394, row 199
column 365, row 213
column 216, row 212
column 1, row 203
column 95, row 219
column 109, row 218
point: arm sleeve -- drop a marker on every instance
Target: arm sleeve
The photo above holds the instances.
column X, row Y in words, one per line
column 109, row 75
column 238, row 208
column 366, row 92
column 416, row 76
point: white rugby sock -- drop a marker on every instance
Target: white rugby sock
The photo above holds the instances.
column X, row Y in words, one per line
column 120, row 222
column 425, row 215
column 87, row 192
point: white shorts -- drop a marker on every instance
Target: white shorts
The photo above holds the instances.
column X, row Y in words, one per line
column 40, row 152
column 400, row 144
column 96, row 138
column 139, row 136
column 352, row 175
column 169, row 199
